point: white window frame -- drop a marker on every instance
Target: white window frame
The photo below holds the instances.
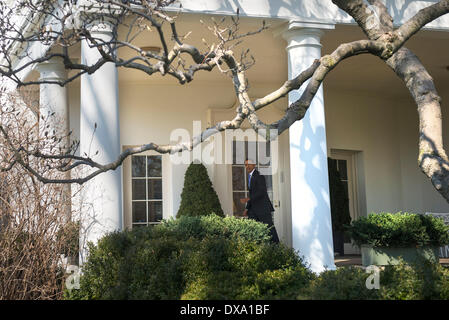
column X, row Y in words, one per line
column 258, row 166
column 127, row 189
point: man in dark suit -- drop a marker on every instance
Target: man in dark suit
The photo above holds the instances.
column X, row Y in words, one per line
column 258, row 205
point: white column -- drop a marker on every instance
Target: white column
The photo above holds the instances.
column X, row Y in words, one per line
column 310, row 205
column 54, row 116
column 53, row 99
column 100, row 131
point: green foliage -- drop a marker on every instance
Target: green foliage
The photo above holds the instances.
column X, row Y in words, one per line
column 400, row 230
column 192, row 258
column 399, row 282
column 103, row 269
column 421, row 281
column 214, row 226
column 210, row 257
column 198, row 195
column 347, row 283
column 239, row 269
column 338, row 198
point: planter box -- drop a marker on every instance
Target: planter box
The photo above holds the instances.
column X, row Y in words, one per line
column 382, row 256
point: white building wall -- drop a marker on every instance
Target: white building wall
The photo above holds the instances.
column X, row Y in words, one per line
column 365, row 123
column 382, row 128
column 150, row 112
column 418, row 192
column 385, row 129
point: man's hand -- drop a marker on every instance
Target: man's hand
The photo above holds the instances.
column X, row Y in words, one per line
column 244, row 200
column 245, row 213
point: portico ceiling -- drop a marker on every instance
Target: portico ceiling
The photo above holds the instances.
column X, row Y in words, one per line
column 367, row 74
column 358, row 75
column 363, row 74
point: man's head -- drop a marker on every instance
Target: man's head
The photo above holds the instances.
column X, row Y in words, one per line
column 250, row 165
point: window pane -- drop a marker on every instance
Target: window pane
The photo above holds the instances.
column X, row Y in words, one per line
column 265, row 171
column 238, row 152
column 138, row 166
column 342, row 168
column 238, row 178
column 251, row 150
column 154, row 164
column 238, row 207
column 154, row 189
column 139, row 212
column 138, row 189
column 264, row 153
column 154, row 211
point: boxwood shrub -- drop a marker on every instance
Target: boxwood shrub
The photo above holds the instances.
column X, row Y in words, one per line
column 212, row 225
column 198, row 197
column 423, row 281
column 400, row 229
column 346, row 283
column 397, row 282
column 192, row 258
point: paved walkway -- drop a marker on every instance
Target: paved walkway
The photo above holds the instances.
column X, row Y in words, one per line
column 356, row 260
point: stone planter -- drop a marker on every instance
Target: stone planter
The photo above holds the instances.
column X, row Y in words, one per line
column 382, row 256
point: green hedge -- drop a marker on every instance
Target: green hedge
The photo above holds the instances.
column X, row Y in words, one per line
column 213, row 226
column 348, row 283
column 192, row 258
column 399, row 229
column 242, row 270
column 399, row 282
column 228, row 258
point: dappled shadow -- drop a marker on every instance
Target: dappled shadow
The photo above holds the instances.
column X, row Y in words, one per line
column 314, row 231
column 435, row 154
column 323, row 10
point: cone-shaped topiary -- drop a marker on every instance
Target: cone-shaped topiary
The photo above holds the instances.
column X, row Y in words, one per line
column 198, row 196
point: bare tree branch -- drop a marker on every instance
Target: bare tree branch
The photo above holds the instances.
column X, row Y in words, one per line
column 432, row 157
column 372, row 16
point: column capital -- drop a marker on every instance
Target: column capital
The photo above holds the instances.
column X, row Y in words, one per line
column 100, row 16
column 304, row 33
column 52, row 70
column 101, row 27
column 298, row 24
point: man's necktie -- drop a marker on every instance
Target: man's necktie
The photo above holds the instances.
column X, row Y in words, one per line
column 249, row 180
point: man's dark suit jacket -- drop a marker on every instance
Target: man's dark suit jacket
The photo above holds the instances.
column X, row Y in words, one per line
column 259, row 205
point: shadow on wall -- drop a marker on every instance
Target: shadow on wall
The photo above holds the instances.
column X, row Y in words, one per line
column 283, row 8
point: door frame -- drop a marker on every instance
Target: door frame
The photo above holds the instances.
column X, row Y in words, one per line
column 354, row 204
